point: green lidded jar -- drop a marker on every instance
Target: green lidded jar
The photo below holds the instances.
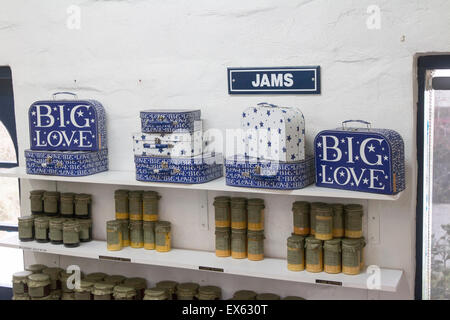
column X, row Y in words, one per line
column 296, row 253
column 293, row 298
column 244, row 295
column 223, row 241
column 37, row 201
column 238, row 213
column 51, row 202
column 268, row 296
column 125, row 229
column 121, row 204
column 71, row 234
column 95, row 277
column 139, row 284
column 255, row 214
column 353, row 220
column 156, row 294
column 122, row 292
column 85, row 230
column 136, row 234
column 113, row 235
column 64, row 276
column 187, row 291
column 149, row 235
column 26, row 228
column 39, row 285
column 338, row 220
column 114, row 279
column 83, row 205
column 84, row 292
column 103, row 291
column 209, row 293
column 135, row 204
column 36, row 268
column 239, row 243
column 21, row 297
column 41, row 229
column 314, row 254
column 150, row 206
column 363, row 245
column 163, row 236
column 20, row 282
column 54, row 274
column 301, row 214
column 332, row 256
column 66, row 204
column 222, row 211
column 351, row 256
column 324, row 223
column 255, row 245
column 68, row 296
column 312, row 215
column 170, row 287
column 56, row 230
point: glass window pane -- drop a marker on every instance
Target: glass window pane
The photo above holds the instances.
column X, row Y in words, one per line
column 9, row 200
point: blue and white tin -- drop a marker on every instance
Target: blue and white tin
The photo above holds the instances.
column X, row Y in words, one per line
column 360, row 159
column 67, row 125
column 253, row 173
column 166, row 120
column 66, row 163
column 274, row 133
column 189, row 170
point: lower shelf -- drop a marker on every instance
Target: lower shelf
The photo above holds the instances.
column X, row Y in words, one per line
column 268, row 268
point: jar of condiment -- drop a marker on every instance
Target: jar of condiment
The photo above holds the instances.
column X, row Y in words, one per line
column 222, row 211
column 238, row 213
column 332, row 256
column 36, row 268
column 85, row 230
column 239, row 243
column 150, row 205
column 313, row 254
column 95, row 277
column 312, row 215
column 255, row 246
column 26, row 228
column 114, row 279
column 170, row 287
column 68, row 296
column 122, row 292
column 223, row 241
column 41, row 228
column 139, row 284
column 125, row 229
column 156, row 294
column 244, row 295
column 20, row 282
column 300, row 210
column 71, row 234
column 54, row 274
column 37, row 201
column 363, row 245
column 56, row 230
column 38, row 285
column 103, row 291
column 268, row 296
column 84, row 292
column 135, row 204
column 149, row 235
column 255, row 214
column 121, row 204
column 21, row 297
column 324, row 223
column 163, row 236
column 293, row 298
column 136, row 234
column 338, row 220
column 51, row 203
column 187, row 291
column 83, row 205
column 296, row 253
column 209, row 293
column 351, row 259
column 353, row 220
column 113, row 235
column 66, row 204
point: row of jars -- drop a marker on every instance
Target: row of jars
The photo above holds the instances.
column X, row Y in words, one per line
column 66, row 204
column 239, row 243
column 136, row 205
column 149, row 235
column 43, row 229
column 327, row 221
column 333, row 256
column 239, row 213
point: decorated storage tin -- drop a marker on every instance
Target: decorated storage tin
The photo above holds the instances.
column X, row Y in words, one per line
column 139, row 284
column 239, row 243
column 66, row 204
column 113, row 235
column 300, row 210
column 274, row 133
column 51, row 203
column 121, row 204
column 149, row 235
column 56, row 230
column 255, row 214
column 156, row 294
column 136, row 234
column 338, row 220
column 222, row 211
column 188, row 170
column 238, row 213
column 71, row 233
column 66, row 163
column 187, row 291
column 26, row 228
column 332, row 256
column 223, row 241
column 54, row 274
column 150, row 205
column 39, row 285
column 20, row 282
column 314, row 254
column 248, row 172
column 170, row 287
column 83, row 203
column 166, row 120
column 37, row 201
column 41, row 228
column 296, row 253
column 163, row 236
column 353, row 220
column 67, row 125
column 255, row 245
column 360, row 159
column 324, row 223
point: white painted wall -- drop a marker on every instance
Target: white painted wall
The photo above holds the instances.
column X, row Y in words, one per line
column 136, row 54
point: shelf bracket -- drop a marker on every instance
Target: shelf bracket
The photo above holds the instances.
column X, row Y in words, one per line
column 203, row 210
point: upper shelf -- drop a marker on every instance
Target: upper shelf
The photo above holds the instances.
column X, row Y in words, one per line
column 127, row 178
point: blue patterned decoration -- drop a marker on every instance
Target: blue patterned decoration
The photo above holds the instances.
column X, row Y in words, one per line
column 169, row 120
column 66, row 163
column 360, row 159
column 253, row 173
column 67, row 125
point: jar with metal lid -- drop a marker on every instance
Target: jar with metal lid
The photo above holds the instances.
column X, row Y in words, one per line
column 338, row 220
column 71, row 234
column 121, row 204
column 95, row 277
column 223, row 241
column 363, row 245
column 84, row 292
column 37, row 201
column 222, row 211
column 115, row 279
column 255, row 214
column 163, row 236
column 20, row 282
column 83, row 205
column 187, row 291
column 244, row 295
column 51, row 202
column 122, row 292
column 170, row 287
column 209, row 293
column 56, row 230
column 351, row 256
column 149, row 235
column 113, row 235
column 135, row 204
column 136, row 234
column 314, row 254
column 150, row 206
column 53, row 273
column 301, row 213
column 353, row 220
column 103, row 291
column 68, row 296
column 38, row 285
column 41, row 229
column 239, row 243
column 332, row 256
column 36, row 268
column 268, row 296
column 238, row 213
column 296, row 253
column 125, row 229
column 26, row 228
column 64, row 277
column 324, row 223
column 66, row 204
column 293, row 298
column 255, row 245
column 312, row 215
column 85, row 230
column 156, row 294
column 139, row 284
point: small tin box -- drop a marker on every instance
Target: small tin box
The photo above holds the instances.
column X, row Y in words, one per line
column 166, row 120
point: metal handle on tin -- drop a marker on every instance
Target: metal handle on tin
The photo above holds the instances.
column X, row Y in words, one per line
column 162, row 123
column 157, row 146
column 265, row 104
column 257, row 174
column 368, row 124
column 65, row 92
column 166, row 171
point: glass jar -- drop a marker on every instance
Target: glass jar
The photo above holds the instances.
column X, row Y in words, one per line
column 54, row 274
column 56, row 230
column 36, row 268
column 84, row 292
column 187, row 291
column 124, row 293
column 353, row 220
column 314, row 254
column 113, row 235
column 83, row 205
column 238, row 213
column 51, row 203
column 312, row 215
column 38, row 285
column 223, row 241
column 85, row 230
column 114, row 279
column 296, row 253
column 150, row 205
column 103, row 291
column 170, row 287
column 139, row 284
column 95, row 277
column 135, row 204
column 351, row 259
column 71, row 234
column 41, row 229
column 20, row 282
column 149, row 235
column 222, row 211
column 268, row 296
column 136, row 234
column 301, row 213
column 66, row 204
column 125, row 229
column 255, row 245
column 255, row 214
column 332, row 256
column 156, row 294
column 239, row 243
column 21, row 297
column 37, row 201
column 338, row 220
column 26, row 228
column 324, row 223
column 209, row 293
column 121, row 204
column 363, row 245
column 244, row 295
column 68, row 296
column 163, row 236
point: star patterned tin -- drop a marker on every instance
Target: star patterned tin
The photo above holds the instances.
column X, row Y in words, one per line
column 166, row 120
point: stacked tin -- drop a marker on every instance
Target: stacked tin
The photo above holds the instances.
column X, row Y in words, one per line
column 169, row 148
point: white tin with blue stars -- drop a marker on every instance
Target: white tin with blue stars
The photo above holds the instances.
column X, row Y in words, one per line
column 190, row 170
column 254, row 173
column 66, row 163
column 360, row 159
column 166, row 120
column 67, row 125
column 274, row 133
